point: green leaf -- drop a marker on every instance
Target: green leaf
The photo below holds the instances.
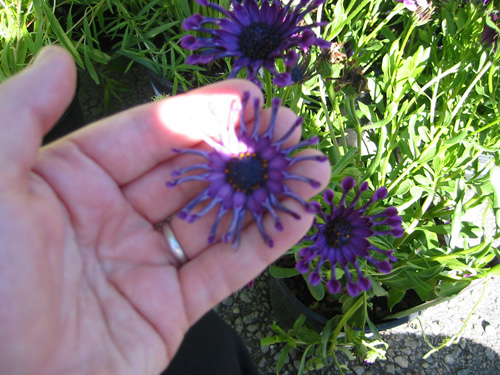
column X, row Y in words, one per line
column 58, row 30
column 282, row 272
column 395, row 296
column 450, row 288
column 282, row 358
column 423, row 289
column 439, row 229
column 325, row 338
column 344, row 161
column 423, row 180
column 308, row 335
column 317, row 291
column 403, row 188
column 299, row 322
column 266, row 341
column 303, row 360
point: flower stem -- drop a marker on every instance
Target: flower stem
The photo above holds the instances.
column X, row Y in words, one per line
column 341, row 325
column 331, row 129
column 455, row 338
column 351, row 111
column 269, row 87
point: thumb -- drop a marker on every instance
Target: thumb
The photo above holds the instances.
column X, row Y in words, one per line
column 30, row 103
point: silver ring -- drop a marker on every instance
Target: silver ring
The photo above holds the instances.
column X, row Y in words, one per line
column 177, row 251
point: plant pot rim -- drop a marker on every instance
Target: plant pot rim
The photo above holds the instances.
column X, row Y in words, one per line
column 318, row 321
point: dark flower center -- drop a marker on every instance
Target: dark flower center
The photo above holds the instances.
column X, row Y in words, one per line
column 297, row 75
column 246, row 172
column 338, row 232
column 258, row 41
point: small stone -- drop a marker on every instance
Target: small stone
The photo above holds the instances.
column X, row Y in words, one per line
column 464, row 371
column 401, row 361
column 463, row 343
column 390, row 369
column 228, row 301
column 449, row 360
column 429, row 360
column 359, row 370
column 238, row 326
column 252, row 328
column 251, row 318
column 245, row 296
column 489, row 353
column 456, row 352
column 236, row 310
column 406, row 351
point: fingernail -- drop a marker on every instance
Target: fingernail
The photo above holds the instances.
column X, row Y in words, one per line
column 44, row 54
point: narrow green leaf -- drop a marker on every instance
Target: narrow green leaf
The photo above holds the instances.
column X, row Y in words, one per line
column 282, row 358
column 58, row 30
column 303, row 360
column 299, row 322
column 281, row 272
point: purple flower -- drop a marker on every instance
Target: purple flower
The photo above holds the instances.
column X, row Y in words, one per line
column 246, row 172
column 256, row 36
column 490, row 35
column 413, row 5
column 342, row 237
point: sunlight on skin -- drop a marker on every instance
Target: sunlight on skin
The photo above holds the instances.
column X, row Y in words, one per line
column 206, row 117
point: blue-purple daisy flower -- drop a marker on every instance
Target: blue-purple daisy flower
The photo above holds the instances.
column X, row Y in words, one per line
column 256, row 36
column 246, row 172
column 341, row 237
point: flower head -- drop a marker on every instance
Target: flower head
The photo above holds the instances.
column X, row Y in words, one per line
column 246, row 172
column 422, row 10
column 413, row 5
column 256, row 36
column 342, row 237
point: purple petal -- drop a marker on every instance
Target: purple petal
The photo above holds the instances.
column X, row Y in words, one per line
column 333, row 286
column 348, row 183
column 381, row 193
column 190, row 43
column 282, row 80
column 302, row 266
column 314, row 278
column 352, row 288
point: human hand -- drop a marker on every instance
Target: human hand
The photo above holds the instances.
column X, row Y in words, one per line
column 87, row 284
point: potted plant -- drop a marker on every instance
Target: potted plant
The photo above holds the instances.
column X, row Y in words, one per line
column 403, row 99
column 421, row 117
column 406, row 110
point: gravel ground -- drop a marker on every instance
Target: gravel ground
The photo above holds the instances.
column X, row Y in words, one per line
column 477, row 353
column 249, row 310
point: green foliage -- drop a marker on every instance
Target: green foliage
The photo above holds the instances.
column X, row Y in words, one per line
column 415, row 108
column 427, row 130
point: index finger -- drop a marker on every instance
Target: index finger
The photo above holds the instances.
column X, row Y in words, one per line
column 132, row 142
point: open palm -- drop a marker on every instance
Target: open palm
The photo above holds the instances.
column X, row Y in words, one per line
column 87, row 283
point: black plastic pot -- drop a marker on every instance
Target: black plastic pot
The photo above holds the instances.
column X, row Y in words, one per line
column 71, row 120
column 287, row 308
column 161, row 86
